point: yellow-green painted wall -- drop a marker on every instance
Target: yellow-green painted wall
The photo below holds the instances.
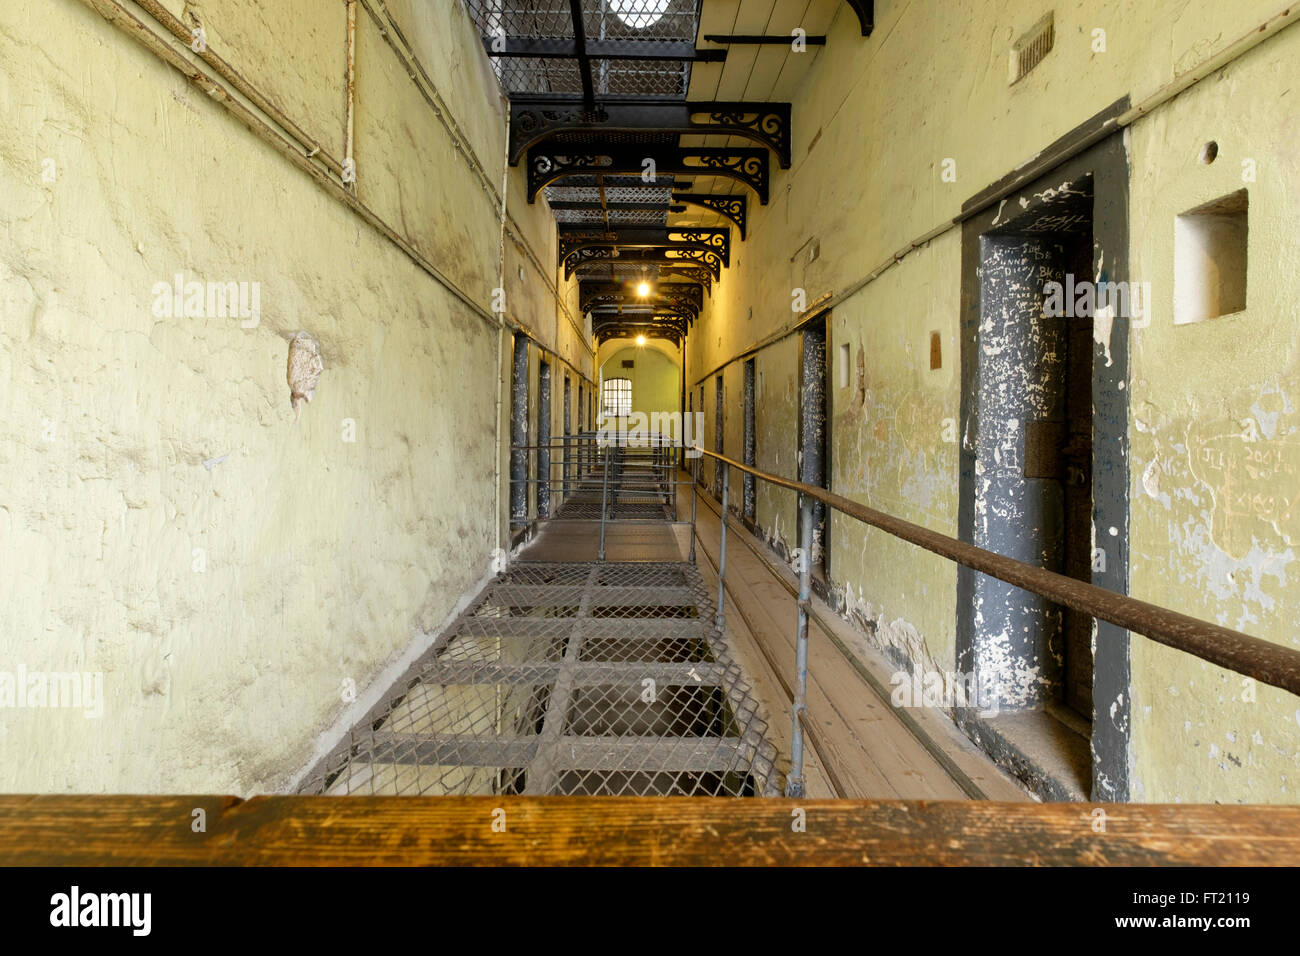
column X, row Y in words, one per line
column 655, row 375
column 246, row 586
column 877, row 122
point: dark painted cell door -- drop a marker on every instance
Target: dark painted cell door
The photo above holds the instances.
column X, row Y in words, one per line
column 751, row 444
column 1076, row 473
column 544, row 441
column 719, row 432
column 1034, row 449
column 814, row 433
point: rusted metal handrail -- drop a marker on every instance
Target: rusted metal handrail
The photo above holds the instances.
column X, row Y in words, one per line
column 1268, row 663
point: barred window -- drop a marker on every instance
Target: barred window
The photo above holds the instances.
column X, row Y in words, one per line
column 617, row 397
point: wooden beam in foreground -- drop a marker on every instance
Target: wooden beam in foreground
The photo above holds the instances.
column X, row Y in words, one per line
column 358, row 831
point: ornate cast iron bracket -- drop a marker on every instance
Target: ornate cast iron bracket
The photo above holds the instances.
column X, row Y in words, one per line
column 534, row 119
column 719, row 240
column 734, row 208
column 703, row 255
column 866, row 11
column 706, row 261
column 747, row 166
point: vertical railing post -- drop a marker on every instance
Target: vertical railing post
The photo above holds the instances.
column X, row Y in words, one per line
column 721, row 618
column 794, row 786
column 568, row 464
column 670, row 462
column 659, row 467
column 695, row 484
column 604, row 504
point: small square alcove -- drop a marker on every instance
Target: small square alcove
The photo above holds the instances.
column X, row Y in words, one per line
column 1210, row 260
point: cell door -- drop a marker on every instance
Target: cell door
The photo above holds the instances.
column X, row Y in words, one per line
column 814, row 434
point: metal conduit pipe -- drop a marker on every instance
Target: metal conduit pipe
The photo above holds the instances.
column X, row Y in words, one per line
column 311, row 147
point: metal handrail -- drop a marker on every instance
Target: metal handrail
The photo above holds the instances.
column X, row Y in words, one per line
column 1266, row 662
column 1253, row 657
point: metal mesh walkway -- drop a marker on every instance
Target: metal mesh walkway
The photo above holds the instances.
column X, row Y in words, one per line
column 567, row 678
column 638, row 487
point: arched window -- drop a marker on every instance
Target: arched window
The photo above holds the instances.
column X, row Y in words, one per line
column 616, row 397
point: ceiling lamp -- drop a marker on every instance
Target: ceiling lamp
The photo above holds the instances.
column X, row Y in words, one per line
column 639, row 13
column 640, row 340
column 643, row 290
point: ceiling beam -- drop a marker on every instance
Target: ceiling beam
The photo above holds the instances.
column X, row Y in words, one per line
column 705, row 262
column 594, row 294
column 630, row 330
column 580, row 51
column 573, row 238
column 562, row 48
column 666, row 271
column 733, row 207
column 613, row 206
column 628, row 182
column 644, row 318
column 644, row 327
column 535, row 118
column 645, row 307
column 746, row 166
column 749, row 39
column 699, row 255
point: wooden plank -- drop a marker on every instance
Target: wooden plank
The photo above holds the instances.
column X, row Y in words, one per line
column 866, row 749
column 870, row 665
column 768, row 689
column 614, row 831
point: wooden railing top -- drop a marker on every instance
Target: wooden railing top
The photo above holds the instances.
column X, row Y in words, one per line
column 615, row 831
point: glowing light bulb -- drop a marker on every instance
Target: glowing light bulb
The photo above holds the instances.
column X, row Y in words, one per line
column 643, row 289
column 640, row 340
column 639, row 13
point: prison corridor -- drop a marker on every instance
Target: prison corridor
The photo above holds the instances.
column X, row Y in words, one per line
column 597, row 664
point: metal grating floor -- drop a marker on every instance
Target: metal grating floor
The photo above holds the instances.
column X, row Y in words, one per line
column 568, row 678
column 636, row 490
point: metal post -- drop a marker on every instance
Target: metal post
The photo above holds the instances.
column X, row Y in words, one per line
column 670, row 462
column 695, row 484
column 721, row 618
column 604, row 498
column 654, row 464
column 794, row 786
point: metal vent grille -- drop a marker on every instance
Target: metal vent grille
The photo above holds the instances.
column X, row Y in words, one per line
column 1032, row 47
